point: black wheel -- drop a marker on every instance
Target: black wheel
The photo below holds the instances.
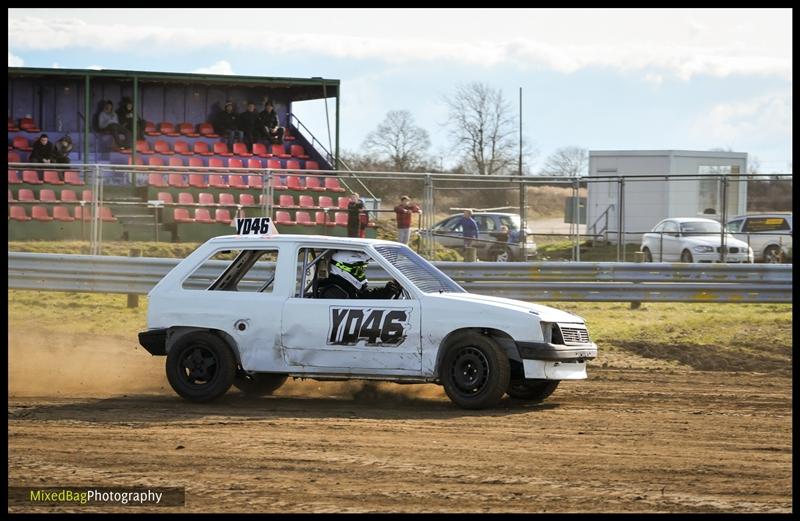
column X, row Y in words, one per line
column 686, row 256
column 503, row 255
column 475, row 371
column 773, row 255
column 259, row 384
column 200, row 367
column 648, row 257
column 532, row 390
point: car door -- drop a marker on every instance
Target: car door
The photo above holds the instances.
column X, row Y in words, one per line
column 351, row 336
column 734, row 228
column 652, row 241
column 672, row 242
column 449, row 234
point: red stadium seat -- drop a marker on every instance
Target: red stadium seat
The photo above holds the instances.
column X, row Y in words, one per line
column 314, row 183
column 254, row 163
column 47, row 196
column 68, row 196
column 280, row 151
column 177, row 181
column 217, row 181
column 51, row 177
column 325, row 201
column 293, row 183
column 235, row 163
column 26, row 195
column 165, row 197
column 341, row 219
column 155, row 161
column 260, row 150
column 201, row 148
column 287, row 136
column 150, row 129
column 61, row 213
column 343, row 202
column 312, row 165
column 205, row 198
column 226, row 199
column 13, row 157
column 221, row 149
column 187, row 129
column 320, row 218
column 39, row 213
column 306, row 201
column 162, row 147
column 106, row 216
column 304, row 218
column 18, row 213
column 139, row 161
column 298, row 151
column 196, row 162
column 31, row 177
column 198, row 181
column 13, row 177
column 332, row 184
column 185, row 198
column 182, row 148
column 293, row 164
column 156, row 180
column 223, row 215
column 255, row 181
column 202, row 215
column 168, row 129
column 84, row 214
column 274, row 164
column 237, row 181
column 28, row 125
column 215, row 162
column 87, row 195
column 11, row 197
column 181, row 215
column 207, row 130
column 12, row 125
column 282, row 217
column 143, row 147
column 176, row 161
column 247, row 200
column 21, row 143
column 240, row 149
column 286, row 201
column 72, row 178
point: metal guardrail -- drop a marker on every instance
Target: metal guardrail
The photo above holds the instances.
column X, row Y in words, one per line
column 536, row 281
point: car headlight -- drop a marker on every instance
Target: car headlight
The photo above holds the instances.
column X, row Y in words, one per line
column 703, row 249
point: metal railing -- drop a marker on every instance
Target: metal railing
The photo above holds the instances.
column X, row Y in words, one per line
column 552, row 281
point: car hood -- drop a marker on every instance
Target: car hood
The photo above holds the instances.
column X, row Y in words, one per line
column 544, row 313
column 714, row 240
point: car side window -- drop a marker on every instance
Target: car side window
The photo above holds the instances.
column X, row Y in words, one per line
column 671, row 228
column 766, row 224
column 488, row 224
column 659, row 228
column 735, row 226
column 235, row 270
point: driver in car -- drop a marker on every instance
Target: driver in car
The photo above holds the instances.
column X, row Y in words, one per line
column 348, row 279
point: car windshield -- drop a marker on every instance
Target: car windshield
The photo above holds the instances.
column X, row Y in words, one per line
column 700, row 227
column 512, row 221
column 420, row 272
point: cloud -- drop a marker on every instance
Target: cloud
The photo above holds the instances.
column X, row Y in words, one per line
column 220, row 67
column 15, row 61
column 764, row 118
column 656, row 79
column 681, row 60
column 95, row 67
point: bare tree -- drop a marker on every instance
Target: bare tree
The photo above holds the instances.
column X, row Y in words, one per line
column 483, row 128
column 400, row 139
column 567, row 161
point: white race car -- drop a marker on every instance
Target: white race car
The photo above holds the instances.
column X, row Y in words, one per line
column 252, row 309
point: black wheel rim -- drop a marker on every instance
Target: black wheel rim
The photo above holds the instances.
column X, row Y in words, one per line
column 198, row 366
column 772, row 256
column 470, row 371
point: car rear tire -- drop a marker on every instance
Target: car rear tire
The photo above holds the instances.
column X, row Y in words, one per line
column 200, row 367
column 475, row 371
column 648, row 257
column 774, row 255
column 532, row 390
column 259, row 384
column 686, row 256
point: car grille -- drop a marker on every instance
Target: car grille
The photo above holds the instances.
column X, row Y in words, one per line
column 574, row 335
column 730, row 250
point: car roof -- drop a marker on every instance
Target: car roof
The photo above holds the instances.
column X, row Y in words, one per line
column 484, row 213
column 764, row 214
column 690, row 219
column 287, row 237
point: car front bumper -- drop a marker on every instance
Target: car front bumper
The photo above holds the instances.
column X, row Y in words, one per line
column 729, row 258
column 546, row 361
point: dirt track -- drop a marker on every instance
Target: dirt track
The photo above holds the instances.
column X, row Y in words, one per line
column 666, row 440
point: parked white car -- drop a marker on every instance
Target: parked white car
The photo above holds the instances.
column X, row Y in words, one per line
column 692, row 239
column 251, row 310
column 768, row 234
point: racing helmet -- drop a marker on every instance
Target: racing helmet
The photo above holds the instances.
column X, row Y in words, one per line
column 351, row 265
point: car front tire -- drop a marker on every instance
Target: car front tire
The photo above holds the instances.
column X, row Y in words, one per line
column 774, row 255
column 648, row 257
column 532, row 390
column 200, row 367
column 475, row 371
column 686, row 256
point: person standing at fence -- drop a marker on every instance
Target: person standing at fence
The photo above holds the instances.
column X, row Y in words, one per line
column 469, row 228
column 403, row 212
column 354, row 210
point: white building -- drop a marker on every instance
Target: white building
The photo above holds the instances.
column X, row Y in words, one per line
column 648, row 200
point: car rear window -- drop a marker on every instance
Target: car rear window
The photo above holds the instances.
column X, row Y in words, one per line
column 766, row 224
column 420, row 272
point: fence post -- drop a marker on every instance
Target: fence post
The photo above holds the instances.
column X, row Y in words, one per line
column 133, row 300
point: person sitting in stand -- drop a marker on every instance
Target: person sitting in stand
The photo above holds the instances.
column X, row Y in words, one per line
column 125, row 116
column 108, row 123
column 62, row 149
column 269, row 120
column 226, row 124
column 348, row 279
column 250, row 126
column 43, row 151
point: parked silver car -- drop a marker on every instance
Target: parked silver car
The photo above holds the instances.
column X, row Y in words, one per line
column 490, row 245
column 769, row 234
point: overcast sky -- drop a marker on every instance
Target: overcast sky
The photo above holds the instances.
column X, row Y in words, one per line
column 599, row 79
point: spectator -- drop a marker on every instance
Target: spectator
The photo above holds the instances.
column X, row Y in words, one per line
column 62, row 149
column 269, row 120
column 250, row 125
column 469, row 228
column 108, row 123
column 125, row 115
column 227, row 125
column 43, row 151
column 403, row 213
column 354, row 210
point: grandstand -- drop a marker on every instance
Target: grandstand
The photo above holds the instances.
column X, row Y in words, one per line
column 181, row 162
